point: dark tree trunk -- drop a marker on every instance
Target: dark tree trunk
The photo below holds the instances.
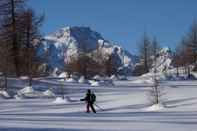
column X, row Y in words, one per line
column 14, row 39
column 188, row 72
column 177, row 71
column 29, row 60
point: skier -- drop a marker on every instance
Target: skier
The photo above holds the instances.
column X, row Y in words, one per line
column 90, row 98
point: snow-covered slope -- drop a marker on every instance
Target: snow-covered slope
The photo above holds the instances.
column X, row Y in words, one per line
column 58, row 48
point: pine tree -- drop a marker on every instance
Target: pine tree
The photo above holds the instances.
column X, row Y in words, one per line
column 31, row 37
column 186, row 52
column 192, row 43
column 145, row 52
column 19, row 34
column 9, row 10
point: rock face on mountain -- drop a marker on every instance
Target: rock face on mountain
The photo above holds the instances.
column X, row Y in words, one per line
column 58, row 48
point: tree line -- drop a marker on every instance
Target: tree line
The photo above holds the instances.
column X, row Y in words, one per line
column 89, row 64
column 148, row 48
column 184, row 55
column 19, row 36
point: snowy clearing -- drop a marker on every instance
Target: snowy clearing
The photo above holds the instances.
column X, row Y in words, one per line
column 126, row 108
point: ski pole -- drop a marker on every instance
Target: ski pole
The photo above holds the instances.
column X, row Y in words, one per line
column 99, row 107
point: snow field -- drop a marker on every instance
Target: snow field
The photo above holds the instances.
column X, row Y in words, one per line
column 126, row 107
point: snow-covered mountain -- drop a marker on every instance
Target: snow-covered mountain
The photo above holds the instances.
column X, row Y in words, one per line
column 58, row 48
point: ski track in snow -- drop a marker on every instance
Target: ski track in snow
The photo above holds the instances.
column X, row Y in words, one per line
column 124, row 107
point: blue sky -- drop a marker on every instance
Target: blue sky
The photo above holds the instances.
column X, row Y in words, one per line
column 121, row 21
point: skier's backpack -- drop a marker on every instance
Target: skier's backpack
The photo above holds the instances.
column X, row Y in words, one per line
column 93, row 97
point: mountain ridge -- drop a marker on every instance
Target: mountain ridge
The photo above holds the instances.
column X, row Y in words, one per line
column 58, row 48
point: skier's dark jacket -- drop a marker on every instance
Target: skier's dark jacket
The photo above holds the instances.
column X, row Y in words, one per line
column 89, row 98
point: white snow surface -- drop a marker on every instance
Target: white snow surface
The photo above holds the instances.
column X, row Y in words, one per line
column 4, row 94
column 144, row 79
column 155, row 107
column 60, row 100
column 70, row 80
column 113, row 77
column 63, row 75
column 97, row 77
column 126, row 108
column 49, row 93
column 94, row 83
column 26, row 90
column 24, row 77
column 82, row 80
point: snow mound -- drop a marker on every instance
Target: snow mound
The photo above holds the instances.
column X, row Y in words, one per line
column 24, row 77
column 70, row 80
column 148, row 81
column 82, row 79
column 54, row 72
column 94, row 83
column 17, row 97
column 4, row 94
column 63, row 75
column 48, row 93
column 155, row 107
column 27, row 90
column 113, row 77
column 97, row 77
column 60, row 100
column 61, row 80
column 143, row 81
column 137, row 81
